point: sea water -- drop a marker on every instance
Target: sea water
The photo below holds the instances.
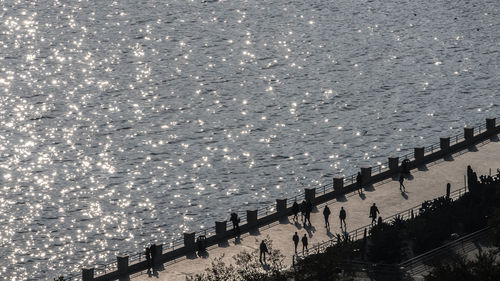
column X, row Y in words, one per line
column 128, row 122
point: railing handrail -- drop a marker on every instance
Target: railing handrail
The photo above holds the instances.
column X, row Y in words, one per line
column 439, row 249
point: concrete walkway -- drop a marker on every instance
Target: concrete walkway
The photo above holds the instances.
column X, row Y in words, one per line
column 427, row 183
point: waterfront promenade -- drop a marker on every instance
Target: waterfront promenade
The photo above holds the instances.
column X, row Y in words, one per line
column 425, row 183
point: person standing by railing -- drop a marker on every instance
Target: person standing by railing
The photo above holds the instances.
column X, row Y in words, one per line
column 147, row 253
column 359, row 183
column 303, row 208
column 236, row 224
column 295, row 211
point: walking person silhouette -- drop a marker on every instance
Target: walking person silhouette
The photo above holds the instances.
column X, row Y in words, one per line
column 401, row 185
column 359, row 182
column 326, row 214
column 304, row 243
column 373, row 213
column 295, row 240
column 342, row 216
column 295, row 211
column 263, row 251
column 309, row 208
column 303, row 208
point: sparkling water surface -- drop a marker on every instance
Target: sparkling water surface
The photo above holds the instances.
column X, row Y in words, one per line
column 127, row 122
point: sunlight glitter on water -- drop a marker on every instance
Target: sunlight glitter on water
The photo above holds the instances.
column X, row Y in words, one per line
column 125, row 123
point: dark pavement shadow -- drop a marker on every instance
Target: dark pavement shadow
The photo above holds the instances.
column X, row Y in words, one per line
column 125, row 278
column 284, row 220
column 298, row 225
column 448, row 158
column 362, row 196
column 409, row 176
column 203, row 255
column 472, row 148
column 191, row 256
column 314, row 210
column 422, row 168
column 341, row 198
column 254, row 232
column 237, row 240
column 405, row 196
column 494, row 138
column 223, row 244
column 370, row 188
column 329, row 234
column 310, row 230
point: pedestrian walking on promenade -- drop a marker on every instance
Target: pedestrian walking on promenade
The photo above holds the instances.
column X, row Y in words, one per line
column 359, row 182
column 373, row 213
column 309, row 208
column 401, row 185
column 295, row 211
column 263, row 251
column 295, row 240
column 342, row 216
column 304, row 243
column 326, row 214
column 303, row 211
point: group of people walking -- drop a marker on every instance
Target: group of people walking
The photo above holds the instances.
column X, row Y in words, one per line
column 305, row 208
column 374, row 212
column 295, row 239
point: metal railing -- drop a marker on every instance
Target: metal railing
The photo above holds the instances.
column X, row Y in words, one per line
column 412, row 265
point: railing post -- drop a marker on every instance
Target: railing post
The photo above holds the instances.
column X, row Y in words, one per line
column 281, row 206
column 393, row 164
column 189, row 242
column 419, row 154
column 444, row 143
column 366, row 174
column 87, row 274
column 468, row 133
column 490, row 124
column 220, row 229
column 157, row 253
column 122, row 264
column 252, row 217
column 338, row 184
column 310, row 194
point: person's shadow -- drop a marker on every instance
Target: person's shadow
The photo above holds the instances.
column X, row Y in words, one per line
column 329, row 234
column 298, row 225
column 310, row 229
column 405, row 196
column 409, row 176
column 203, row 255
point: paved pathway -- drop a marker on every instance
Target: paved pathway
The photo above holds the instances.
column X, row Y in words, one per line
column 426, row 184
